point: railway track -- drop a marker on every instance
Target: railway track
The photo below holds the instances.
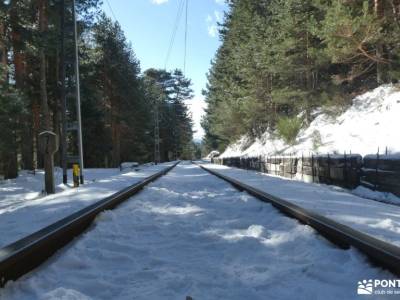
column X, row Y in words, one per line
column 180, row 217
column 27, row 253
column 380, row 253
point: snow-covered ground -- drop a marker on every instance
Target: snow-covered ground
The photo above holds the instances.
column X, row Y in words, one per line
column 24, row 209
column 384, row 197
column 377, row 219
column 371, row 122
column 191, row 234
column 28, row 186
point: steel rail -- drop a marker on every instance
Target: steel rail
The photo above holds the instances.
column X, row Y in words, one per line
column 380, row 253
column 29, row 252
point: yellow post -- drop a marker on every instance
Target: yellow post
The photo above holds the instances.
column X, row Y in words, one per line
column 75, row 174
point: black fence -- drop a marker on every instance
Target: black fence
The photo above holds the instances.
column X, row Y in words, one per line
column 381, row 173
column 373, row 171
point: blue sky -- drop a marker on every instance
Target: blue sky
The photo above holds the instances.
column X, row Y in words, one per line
column 148, row 25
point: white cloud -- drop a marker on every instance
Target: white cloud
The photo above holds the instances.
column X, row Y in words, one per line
column 158, row 2
column 213, row 30
column 220, row 2
column 212, row 23
column 218, row 16
column 197, row 108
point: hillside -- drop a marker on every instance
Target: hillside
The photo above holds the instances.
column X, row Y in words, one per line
column 371, row 121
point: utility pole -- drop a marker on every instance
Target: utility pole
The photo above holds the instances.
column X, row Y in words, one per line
column 78, row 95
column 63, row 98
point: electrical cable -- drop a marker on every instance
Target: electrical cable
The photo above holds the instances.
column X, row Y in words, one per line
column 174, row 31
column 111, row 10
column 186, row 32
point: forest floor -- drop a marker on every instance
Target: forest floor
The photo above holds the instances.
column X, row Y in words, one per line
column 192, row 234
column 24, row 208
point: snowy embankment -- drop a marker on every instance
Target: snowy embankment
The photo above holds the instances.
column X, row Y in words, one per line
column 24, row 209
column 371, row 121
column 191, row 234
column 377, row 219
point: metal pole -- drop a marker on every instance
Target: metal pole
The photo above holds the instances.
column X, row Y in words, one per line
column 63, row 98
column 78, row 95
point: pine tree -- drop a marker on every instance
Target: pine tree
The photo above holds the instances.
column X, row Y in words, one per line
column 169, row 90
column 281, row 59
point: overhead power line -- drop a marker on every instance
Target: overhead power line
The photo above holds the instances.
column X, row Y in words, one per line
column 111, row 10
column 186, row 32
column 174, row 31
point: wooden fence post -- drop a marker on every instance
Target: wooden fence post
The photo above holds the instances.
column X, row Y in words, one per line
column 312, row 166
column 329, row 169
column 376, row 170
column 345, row 170
column 269, row 160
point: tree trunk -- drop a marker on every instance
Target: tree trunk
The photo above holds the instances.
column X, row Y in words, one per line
column 381, row 67
column 11, row 165
column 20, row 71
column 3, row 55
column 10, row 159
column 116, row 139
column 19, row 58
column 46, row 120
column 57, row 108
column 27, row 145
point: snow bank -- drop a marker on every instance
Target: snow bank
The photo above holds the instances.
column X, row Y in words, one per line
column 24, row 209
column 371, row 122
column 28, row 186
column 384, row 197
column 212, row 154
